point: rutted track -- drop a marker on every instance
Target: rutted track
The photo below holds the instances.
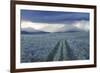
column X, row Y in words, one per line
column 61, row 51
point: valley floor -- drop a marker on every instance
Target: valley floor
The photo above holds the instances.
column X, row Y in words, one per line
column 54, row 47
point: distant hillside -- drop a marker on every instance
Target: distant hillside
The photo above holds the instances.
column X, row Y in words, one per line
column 31, row 31
column 26, row 32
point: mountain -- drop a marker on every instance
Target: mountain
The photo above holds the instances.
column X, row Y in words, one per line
column 31, row 27
column 55, row 28
column 31, row 31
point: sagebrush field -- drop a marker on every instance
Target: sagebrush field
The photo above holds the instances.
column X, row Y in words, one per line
column 63, row 46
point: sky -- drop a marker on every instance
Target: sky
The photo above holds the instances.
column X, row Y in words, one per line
column 53, row 21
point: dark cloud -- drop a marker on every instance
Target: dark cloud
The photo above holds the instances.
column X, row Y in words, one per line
column 52, row 16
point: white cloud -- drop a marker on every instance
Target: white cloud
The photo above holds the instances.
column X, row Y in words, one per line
column 41, row 26
column 27, row 24
column 83, row 25
column 78, row 25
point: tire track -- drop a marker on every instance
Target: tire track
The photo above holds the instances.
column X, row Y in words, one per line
column 69, row 52
column 51, row 55
column 61, row 52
